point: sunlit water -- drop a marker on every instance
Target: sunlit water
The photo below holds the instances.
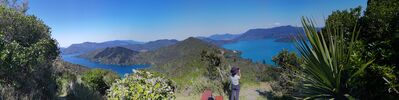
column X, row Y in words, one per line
column 259, row 50
column 120, row 69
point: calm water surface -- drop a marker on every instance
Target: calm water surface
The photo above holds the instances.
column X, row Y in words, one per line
column 120, row 69
column 259, row 50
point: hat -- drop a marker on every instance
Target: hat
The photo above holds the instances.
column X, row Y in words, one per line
column 234, row 70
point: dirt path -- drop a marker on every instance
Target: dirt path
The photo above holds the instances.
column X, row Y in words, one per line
column 250, row 92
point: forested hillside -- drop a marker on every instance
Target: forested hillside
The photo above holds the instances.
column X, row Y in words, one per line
column 111, row 55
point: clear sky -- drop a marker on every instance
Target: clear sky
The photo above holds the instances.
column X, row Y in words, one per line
column 76, row 21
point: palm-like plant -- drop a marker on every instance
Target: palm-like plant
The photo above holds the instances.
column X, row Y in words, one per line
column 327, row 69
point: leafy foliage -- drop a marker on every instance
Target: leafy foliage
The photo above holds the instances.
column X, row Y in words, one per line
column 69, row 82
column 99, row 80
column 381, row 39
column 70, row 88
column 286, row 60
column 214, row 60
column 345, row 19
column 79, row 91
column 218, row 71
column 378, row 39
column 63, row 83
column 380, row 30
column 328, row 72
column 288, row 82
column 26, row 55
column 142, row 85
column 18, row 5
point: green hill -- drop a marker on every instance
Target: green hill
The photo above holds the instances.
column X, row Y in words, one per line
column 61, row 66
column 183, row 62
column 111, row 55
column 190, row 47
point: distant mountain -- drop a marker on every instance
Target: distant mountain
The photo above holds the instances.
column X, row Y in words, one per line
column 219, row 39
column 225, row 36
column 273, row 33
column 216, row 42
column 111, row 55
column 281, row 34
column 152, row 45
column 122, row 42
column 188, row 47
column 89, row 46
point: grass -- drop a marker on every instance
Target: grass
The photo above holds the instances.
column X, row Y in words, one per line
column 248, row 92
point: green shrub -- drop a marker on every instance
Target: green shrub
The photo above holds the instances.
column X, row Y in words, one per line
column 81, row 92
column 70, row 88
column 218, row 72
column 142, row 85
column 328, row 70
column 98, row 79
column 287, row 80
column 27, row 52
column 63, row 83
column 378, row 39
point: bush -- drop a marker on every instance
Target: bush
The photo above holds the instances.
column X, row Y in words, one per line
column 142, row 85
column 99, row 80
column 81, row 92
column 27, row 52
column 70, row 88
column 287, row 81
column 378, row 39
column 63, row 83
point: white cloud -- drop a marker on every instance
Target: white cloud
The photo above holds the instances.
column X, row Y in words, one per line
column 276, row 24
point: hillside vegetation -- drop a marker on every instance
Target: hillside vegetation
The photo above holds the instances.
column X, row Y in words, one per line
column 111, row 55
column 186, row 64
column 351, row 58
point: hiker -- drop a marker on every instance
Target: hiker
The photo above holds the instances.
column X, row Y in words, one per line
column 235, row 80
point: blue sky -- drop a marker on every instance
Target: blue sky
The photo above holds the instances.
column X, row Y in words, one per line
column 76, row 21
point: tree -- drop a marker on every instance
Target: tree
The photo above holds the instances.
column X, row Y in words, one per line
column 27, row 52
column 217, row 70
column 379, row 35
column 379, row 31
column 345, row 19
column 214, row 58
column 18, row 5
column 288, row 82
column 286, row 59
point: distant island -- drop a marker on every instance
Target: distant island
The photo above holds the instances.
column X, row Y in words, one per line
column 111, row 55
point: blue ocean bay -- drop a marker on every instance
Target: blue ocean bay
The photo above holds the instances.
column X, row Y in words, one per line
column 260, row 50
column 120, row 69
